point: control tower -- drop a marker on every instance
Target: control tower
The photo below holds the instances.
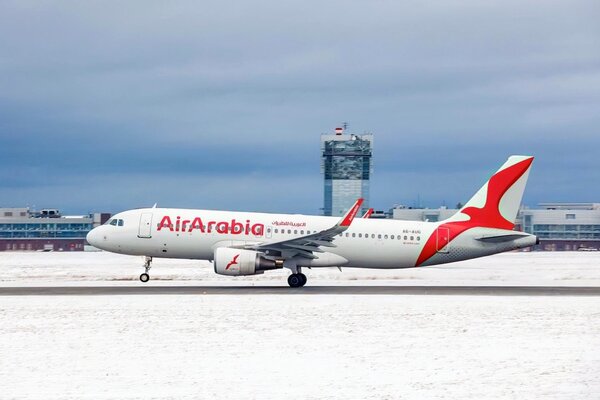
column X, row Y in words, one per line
column 346, row 166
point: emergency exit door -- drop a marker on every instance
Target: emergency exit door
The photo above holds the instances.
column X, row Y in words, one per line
column 145, row 229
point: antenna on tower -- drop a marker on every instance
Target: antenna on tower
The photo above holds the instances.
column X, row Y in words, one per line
column 345, row 126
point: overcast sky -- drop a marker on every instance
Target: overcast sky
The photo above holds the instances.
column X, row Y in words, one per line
column 114, row 105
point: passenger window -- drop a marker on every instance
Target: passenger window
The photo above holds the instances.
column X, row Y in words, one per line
column 378, row 236
column 276, row 230
column 412, row 238
column 418, row 237
column 360, row 235
column 405, row 237
column 354, row 235
column 372, row 236
column 289, row 231
column 385, row 237
column 295, row 231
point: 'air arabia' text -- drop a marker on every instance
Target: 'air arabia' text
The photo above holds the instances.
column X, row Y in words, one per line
column 233, row 227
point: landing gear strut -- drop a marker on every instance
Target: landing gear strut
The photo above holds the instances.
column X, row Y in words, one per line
column 297, row 280
column 145, row 277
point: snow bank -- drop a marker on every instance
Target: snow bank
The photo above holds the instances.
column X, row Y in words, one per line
column 309, row 347
column 548, row 268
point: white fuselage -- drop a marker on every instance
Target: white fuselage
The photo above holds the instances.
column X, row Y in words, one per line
column 367, row 243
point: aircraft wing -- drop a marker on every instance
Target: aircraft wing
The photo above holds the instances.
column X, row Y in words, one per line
column 306, row 245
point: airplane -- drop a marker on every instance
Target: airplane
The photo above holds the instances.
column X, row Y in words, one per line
column 249, row 243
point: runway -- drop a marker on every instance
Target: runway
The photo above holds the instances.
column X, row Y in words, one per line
column 308, row 290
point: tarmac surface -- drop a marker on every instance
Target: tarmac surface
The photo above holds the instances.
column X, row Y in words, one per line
column 307, row 290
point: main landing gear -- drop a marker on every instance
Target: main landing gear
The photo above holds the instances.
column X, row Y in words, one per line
column 297, row 280
column 145, row 277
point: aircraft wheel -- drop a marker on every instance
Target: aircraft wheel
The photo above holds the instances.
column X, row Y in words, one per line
column 144, row 277
column 294, row 280
column 303, row 278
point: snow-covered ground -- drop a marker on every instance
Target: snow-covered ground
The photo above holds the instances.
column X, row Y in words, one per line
column 299, row 347
column 538, row 268
column 302, row 346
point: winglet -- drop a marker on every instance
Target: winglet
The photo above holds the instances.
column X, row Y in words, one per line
column 347, row 220
column 368, row 213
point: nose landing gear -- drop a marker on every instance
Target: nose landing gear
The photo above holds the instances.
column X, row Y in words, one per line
column 145, row 277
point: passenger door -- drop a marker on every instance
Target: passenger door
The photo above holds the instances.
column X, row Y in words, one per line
column 145, row 228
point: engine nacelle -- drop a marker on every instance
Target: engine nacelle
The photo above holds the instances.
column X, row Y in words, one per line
column 237, row 262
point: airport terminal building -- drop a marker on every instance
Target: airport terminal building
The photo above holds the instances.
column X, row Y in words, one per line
column 45, row 230
column 563, row 226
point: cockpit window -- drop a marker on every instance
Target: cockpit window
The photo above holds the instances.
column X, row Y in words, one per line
column 114, row 222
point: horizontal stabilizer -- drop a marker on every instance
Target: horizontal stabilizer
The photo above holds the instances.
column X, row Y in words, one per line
column 501, row 238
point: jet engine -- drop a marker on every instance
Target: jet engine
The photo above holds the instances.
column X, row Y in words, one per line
column 237, row 262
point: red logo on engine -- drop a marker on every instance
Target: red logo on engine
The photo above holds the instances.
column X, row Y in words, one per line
column 232, row 262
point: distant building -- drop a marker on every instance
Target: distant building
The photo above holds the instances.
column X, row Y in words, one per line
column 559, row 226
column 346, row 166
column 45, row 230
column 378, row 214
column 563, row 226
column 422, row 214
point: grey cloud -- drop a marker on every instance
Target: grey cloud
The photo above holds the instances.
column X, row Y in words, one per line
column 232, row 92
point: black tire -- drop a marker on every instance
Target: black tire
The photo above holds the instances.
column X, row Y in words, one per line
column 144, row 277
column 294, row 280
column 303, row 278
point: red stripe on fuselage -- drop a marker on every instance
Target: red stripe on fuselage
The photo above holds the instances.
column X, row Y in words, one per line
column 488, row 216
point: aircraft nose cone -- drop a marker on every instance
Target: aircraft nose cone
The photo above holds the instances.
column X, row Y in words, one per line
column 92, row 237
